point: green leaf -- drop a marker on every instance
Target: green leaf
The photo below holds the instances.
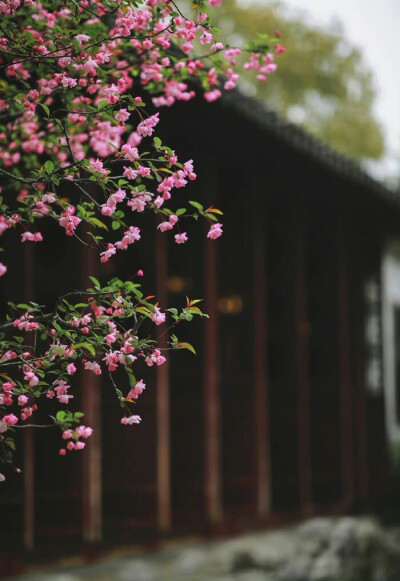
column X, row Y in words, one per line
column 96, row 222
column 87, row 346
column 157, row 142
column 196, row 205
column 132, row 379
column 101, row 104
column 95, row 281
column 49, row 166
column 187, row 346
column 10, row 444
column 115, row 225
column 211, row 216
column 45, row 108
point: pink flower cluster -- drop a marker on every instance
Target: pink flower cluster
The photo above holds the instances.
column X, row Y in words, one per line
column 71, row 129
column 134, row 393
column 130, row 236
column 60, row 390
column 69, row 221
column 155, row 358
column 264, row 65
column 74, row 443
column 25, row 323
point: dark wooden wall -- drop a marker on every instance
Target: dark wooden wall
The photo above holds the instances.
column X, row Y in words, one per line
column 271, row 421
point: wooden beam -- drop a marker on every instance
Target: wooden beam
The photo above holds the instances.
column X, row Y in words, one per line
column 260, row 366
column 29, row 442
column 345, row 387
column 92, row 459
column 212, row 452
column 162, row 381
column 301, row 362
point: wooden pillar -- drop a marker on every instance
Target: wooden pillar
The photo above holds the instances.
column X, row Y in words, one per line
column 212, row 452
column 29, row 442
column 347, row 453
column 92, row 459
column 301, row 361
column 360, row 415
column 260, row 365
column 162, row 381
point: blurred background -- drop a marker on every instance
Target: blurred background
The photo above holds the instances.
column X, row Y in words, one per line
column 339, row 78
column 288, row 420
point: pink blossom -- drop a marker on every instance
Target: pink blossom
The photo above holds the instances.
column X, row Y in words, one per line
column 143, row 171
column 107, row 210
column 146, row 127
column 106, row 255
column 71, row 369
column 130, row 152
column 110, row 338
column 130, row 173
column 215, row 231
column 67, row 434
column 83, row 432
column 10, row 419
column 8, row 355
column 22, row 400
column 62, row 452
column 155, row 358
column 137, row 390
column 26, row 413
column 31, row 378
column 164, row 226
column 131, row 420
column 122, row 115
column 97, row 166
column 130, row 236
column 93, row 366
column 32, row 237
column 211, row 96
column 69, row 221
column 181, row 238
column 138, row 203
column 119, row 195
column 64, row 398
column 205, row 38
column 158, row 317
column 90, row 66
column 82, row 38
column 24, row 324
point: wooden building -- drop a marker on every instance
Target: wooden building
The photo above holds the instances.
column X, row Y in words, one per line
column 281, row 414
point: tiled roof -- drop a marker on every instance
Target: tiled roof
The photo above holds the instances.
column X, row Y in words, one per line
column 297, row 138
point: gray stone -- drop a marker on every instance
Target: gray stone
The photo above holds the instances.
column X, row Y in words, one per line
column 251, row 576
column 323, row 549
column 137, row 570
column 327, row 567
